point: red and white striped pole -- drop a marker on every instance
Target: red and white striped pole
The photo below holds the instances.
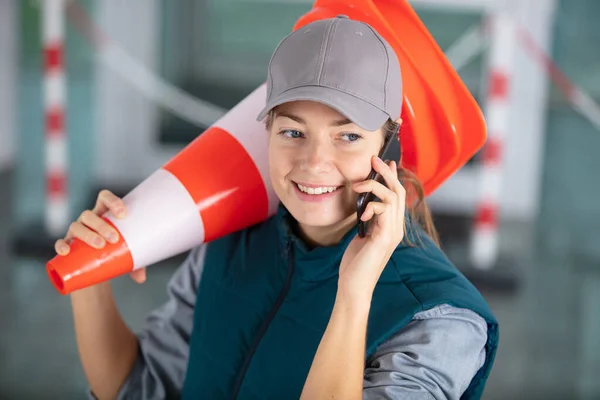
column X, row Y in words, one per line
column 484, row 240
column 56, row 155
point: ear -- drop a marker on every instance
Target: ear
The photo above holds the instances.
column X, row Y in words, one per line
column 399, row 121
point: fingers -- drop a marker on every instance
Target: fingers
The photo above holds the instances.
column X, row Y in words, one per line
column 377, row 188
column 390, row 194
column 108, row 201
column 393, row 198
column 79, row 231
column 374, row 208
column 62, row 247
column 91, row 228
column 99, row 225
column 389, row 173
column 138, row 275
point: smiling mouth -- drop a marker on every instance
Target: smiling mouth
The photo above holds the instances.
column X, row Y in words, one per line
column 316, row 190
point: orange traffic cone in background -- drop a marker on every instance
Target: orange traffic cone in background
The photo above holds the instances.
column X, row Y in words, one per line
column 219, row 183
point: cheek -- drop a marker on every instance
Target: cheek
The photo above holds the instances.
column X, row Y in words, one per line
column 279, row 163
column 355, row 168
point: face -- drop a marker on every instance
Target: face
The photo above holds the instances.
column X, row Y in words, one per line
column 315, row 154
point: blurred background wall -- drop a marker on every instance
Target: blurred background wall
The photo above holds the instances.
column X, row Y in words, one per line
column 8, row 67
column 545, row 288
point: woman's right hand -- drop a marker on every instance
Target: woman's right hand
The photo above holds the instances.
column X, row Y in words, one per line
column 90, row 228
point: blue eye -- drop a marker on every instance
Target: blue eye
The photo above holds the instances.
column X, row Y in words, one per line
column 291, row 133
column 352, row 137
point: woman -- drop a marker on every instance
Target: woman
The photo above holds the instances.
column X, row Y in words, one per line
column 300, row 306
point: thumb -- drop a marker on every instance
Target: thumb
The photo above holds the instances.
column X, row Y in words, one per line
column 139, row 275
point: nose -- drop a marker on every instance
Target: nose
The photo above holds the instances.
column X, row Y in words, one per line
column 317, row 157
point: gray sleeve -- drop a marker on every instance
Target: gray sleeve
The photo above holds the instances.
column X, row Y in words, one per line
column 434, row 357
column 162, row 361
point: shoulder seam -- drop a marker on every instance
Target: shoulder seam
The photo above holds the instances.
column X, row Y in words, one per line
column 448, row 309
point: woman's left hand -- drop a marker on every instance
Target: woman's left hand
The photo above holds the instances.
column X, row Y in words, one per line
column 365, row 258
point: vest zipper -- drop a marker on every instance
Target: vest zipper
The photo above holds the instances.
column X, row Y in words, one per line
column 265, row 325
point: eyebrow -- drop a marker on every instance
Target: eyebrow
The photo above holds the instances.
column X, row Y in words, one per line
column 339, row 122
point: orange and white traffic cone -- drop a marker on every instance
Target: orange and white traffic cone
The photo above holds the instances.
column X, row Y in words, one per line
column 218, row 184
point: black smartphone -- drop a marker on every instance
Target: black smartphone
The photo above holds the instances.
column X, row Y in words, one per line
column 390, row 151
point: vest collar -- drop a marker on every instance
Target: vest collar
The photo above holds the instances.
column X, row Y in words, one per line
column 316, row 264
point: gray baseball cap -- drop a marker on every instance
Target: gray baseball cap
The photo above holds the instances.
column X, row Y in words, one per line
column 339, row 62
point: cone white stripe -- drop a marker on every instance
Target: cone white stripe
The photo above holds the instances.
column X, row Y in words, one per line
column 241, row 123
column 54, row 93
column 485, row 247
column 175, row 223
column 497, row 117
column 56, row 154
column 503, row 37
column 53, row 21
column 491, row 186
column 60, row 210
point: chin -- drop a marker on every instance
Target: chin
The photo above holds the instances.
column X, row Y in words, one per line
column 310, row 218
column 319, row 214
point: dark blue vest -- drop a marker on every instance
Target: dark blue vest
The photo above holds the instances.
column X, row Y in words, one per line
column 265, row 300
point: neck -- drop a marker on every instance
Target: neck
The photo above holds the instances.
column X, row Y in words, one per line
column 322, row 236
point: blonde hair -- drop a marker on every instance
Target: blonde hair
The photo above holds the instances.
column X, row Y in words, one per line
column 416, row 205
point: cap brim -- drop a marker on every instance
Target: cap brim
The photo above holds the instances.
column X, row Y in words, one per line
column 359, row 111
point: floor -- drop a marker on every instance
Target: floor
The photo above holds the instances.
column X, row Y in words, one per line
column 548, row 350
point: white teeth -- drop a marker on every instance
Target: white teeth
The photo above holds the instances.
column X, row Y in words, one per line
column 319, row 190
